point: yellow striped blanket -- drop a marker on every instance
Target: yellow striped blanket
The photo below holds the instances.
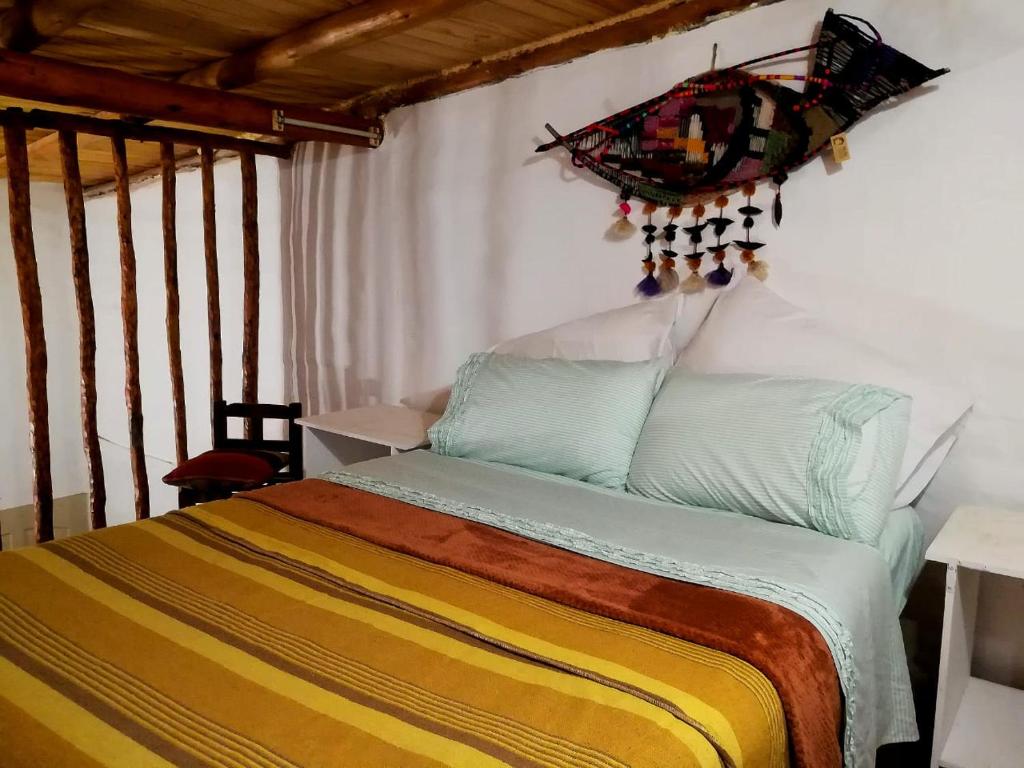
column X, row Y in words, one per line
column 233, row 634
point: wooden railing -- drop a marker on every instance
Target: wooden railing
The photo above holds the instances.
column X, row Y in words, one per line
column 15, row 122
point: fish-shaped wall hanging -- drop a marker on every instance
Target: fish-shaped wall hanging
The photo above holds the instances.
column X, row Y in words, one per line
column 729, row 129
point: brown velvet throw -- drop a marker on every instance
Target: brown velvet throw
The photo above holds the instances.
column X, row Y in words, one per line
column 784, row 646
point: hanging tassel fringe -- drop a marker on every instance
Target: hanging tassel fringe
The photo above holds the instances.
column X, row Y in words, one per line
column 779, row 179
column 649, row 285
column 622, row 229
column 758, row 269
column 668, row 278
column 695, row 283
column 719, row 277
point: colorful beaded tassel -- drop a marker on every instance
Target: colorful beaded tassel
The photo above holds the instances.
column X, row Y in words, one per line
column 668, row 278
column 755, row 268
column 622, row 228
column 720, row 276
column 649, row 285
column 695, row 282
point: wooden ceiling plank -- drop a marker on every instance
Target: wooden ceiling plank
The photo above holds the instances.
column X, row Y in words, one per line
column 353, row 26
column 23, row 75
column 640, row 24
column 30, row 23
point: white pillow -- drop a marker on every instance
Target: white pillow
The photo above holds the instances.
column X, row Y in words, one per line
column 753, row 330
column 659, row 327
column 925, row 471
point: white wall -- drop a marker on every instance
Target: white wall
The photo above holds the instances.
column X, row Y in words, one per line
column 454, row 234
column 53, row 254
column 155, row 379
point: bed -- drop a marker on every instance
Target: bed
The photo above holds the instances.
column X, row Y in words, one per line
column 428, row 610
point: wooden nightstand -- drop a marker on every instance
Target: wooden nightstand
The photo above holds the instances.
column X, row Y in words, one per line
column 331, row 441
column 977, row 723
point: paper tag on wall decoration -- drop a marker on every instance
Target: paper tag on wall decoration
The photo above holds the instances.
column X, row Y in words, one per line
column 840, row 148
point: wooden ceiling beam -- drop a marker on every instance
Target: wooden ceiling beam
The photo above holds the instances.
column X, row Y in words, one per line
column 638, row 25
column 352, row 26
column 25, row 76
column 30, row 23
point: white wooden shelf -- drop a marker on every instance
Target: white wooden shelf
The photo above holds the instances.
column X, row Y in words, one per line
column 988, row 729
column 395, row 426
column 334, row 440
column 978, row 724
column 983, row 539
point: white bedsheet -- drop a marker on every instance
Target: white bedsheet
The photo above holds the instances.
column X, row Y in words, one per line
column 902, row 546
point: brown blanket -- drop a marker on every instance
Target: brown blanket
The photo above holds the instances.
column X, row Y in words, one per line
column 784, row 646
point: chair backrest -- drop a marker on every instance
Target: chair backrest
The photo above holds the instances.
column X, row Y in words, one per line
column 254, row 414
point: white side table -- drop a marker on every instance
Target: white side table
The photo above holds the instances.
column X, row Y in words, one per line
column 333, row 440
column 978, row 724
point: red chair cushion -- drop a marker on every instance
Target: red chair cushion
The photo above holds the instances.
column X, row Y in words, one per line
column 234, row 470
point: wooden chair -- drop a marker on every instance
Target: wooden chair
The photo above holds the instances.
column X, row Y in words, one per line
column 241, row 463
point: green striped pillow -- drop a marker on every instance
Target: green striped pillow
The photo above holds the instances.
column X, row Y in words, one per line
column 580, row 419
column 820, row 454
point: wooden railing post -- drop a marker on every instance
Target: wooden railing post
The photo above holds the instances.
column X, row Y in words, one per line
column 130, row 322
column 251, row 282
column 68, row 142
column 168, row 172
column 212, row 277
column 27, row 270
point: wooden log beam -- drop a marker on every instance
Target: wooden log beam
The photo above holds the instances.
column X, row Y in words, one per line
column 68, row 143
column 251, row 286
column 168, row 167
column 212, row 276
column 130, row 323
column 57, row 121
column 30, row 295
column 25, row 76
column 352, row 26
column 30, row 23
column 637, row 25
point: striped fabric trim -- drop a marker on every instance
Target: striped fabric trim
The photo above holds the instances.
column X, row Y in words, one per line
column 831, row 458
column 443, row 432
